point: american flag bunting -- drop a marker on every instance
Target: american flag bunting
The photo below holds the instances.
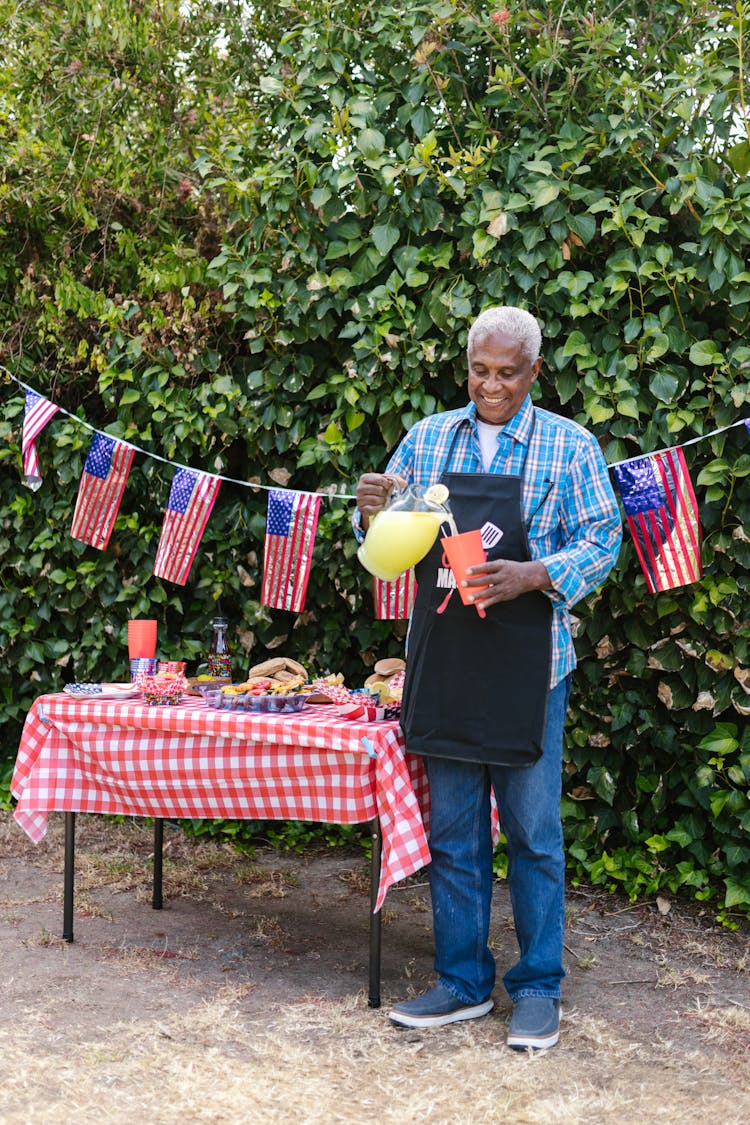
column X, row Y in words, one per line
column 291, row 524
column 36, row 415
column 662, row 515
column 100, row 490
column 191, row 499
column 394, row 600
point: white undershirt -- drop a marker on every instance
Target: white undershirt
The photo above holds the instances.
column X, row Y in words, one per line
column 488, row 435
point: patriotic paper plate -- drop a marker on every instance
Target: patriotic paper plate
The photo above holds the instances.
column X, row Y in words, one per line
column 101, row 691
column 368, row 712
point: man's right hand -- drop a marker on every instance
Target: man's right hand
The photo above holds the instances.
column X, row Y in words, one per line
column 373, row 489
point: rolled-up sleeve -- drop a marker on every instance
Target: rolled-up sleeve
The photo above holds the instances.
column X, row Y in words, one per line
column 401, row 464
column 590, row 528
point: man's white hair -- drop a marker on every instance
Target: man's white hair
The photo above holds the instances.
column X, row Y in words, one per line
column 512, row 321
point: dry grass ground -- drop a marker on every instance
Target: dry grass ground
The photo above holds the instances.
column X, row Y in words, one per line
column 244, row 1000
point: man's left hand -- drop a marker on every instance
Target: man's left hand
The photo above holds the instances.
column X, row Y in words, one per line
column 506, row 580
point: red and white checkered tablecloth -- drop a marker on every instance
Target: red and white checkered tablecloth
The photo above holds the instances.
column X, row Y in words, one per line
column 112, row 756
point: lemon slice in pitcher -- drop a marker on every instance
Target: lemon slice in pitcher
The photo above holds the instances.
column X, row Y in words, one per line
column 436, row 494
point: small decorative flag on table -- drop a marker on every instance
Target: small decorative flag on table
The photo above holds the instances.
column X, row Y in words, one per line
column 36, row 415
column 394, row 600
column 100, row 491
column 191, row 499
column 662, row 515
column 291, row 524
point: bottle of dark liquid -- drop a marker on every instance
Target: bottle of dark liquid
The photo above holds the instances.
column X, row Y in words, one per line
column 219, row 653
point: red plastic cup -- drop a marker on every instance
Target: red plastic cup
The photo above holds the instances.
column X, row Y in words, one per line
column 141, row 639
column 463, row 551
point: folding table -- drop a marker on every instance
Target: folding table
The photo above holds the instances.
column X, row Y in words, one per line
column 97, row 755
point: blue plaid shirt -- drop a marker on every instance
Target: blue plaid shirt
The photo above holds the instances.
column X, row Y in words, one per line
column 569, row 506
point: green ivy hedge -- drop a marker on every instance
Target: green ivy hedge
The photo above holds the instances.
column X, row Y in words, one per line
column 256, row 250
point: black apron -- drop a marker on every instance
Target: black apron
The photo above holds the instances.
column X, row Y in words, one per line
column 476, row 688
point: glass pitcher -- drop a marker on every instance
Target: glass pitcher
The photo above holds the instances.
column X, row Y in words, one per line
column 401, row 534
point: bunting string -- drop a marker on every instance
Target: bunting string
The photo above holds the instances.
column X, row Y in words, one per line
column 331, row 495
column 682, row 444
column 341, row 495
column 655, row 490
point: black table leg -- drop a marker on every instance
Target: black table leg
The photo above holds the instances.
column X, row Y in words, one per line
column 373, row 999
column 68, row 868
column 156, row 900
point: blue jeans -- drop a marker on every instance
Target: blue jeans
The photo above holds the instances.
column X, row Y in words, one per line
column 460, row 872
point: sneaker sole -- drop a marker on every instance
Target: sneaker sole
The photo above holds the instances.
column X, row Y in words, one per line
column 472, row 1013
column 536, row 1042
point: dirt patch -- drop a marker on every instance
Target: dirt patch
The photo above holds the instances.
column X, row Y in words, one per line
column 245, row 998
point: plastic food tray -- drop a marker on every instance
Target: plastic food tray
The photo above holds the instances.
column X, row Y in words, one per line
column 274, row 704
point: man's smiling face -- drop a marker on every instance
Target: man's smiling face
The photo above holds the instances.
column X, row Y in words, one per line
column 500, row 375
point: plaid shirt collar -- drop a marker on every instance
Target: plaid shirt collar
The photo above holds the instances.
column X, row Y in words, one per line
column 519, row 427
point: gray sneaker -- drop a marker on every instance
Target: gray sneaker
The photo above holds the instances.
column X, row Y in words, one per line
column 435, row 1008
column 535, row 1022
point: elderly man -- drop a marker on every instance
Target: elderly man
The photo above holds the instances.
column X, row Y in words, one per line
column 485, row 697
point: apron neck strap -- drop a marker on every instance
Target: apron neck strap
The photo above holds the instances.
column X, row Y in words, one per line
column 454, row 439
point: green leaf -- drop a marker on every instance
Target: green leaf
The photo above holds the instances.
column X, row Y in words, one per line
column 704, row 353
column 599, row 413
column 602, row 781
column 628, row 408
column 663, row 386
column 739, row 157
column 722, row 740
column 544, row 193
column 716, row 471
column 737, row 891
column 566, row 384
column 370, row 143
column 719, row 800
column 269, row 84
column 422, row 120
column 320, row 196
column 415, row 277
column 719, row 661
column 484, row 243
column 583, row 225
column 384, row 237
column 576, row 344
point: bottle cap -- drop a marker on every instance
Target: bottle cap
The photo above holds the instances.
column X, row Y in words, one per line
column 221, row 621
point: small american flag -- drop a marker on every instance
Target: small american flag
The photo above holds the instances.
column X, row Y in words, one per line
column 36, row 415
column 191, row 499
column 394, row 600
column 662, row 515
column 290, row 535
column 100, row 490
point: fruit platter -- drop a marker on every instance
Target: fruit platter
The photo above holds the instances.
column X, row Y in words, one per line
column 235, row 697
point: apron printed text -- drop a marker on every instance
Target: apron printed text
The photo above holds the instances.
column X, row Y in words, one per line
column 446, row 579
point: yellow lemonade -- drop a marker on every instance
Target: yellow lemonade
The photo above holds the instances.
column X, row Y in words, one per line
column 397, row 540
